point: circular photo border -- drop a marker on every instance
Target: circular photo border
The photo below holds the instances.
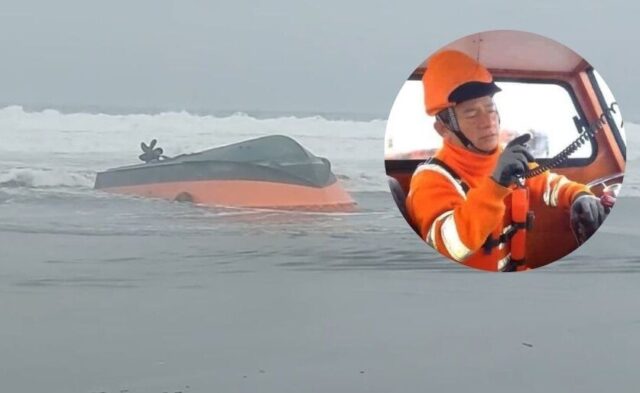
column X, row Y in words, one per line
column 505, row 150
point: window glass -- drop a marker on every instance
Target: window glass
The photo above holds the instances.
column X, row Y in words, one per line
column 545, row 110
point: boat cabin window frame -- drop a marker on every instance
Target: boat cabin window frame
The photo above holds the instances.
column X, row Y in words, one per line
column 570, row 162
column 566, row 86
column 613, row 125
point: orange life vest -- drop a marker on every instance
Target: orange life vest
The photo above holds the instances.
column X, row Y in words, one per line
column 475, row 226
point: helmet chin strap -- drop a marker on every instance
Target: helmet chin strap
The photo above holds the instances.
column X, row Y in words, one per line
column 454, row 127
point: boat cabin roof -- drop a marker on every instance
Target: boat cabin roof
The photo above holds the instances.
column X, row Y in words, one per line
column 502, row 52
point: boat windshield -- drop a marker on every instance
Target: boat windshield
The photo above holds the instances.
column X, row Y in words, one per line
column 545, row 110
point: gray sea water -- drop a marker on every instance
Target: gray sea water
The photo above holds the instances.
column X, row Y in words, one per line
column 103, row 293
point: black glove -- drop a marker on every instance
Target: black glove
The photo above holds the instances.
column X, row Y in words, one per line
column 513, row 161
column 587, row 213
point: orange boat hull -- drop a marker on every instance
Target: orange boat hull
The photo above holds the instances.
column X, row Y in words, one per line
column 246, row 193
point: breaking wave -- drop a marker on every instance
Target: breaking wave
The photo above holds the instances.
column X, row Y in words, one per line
column 49, row 148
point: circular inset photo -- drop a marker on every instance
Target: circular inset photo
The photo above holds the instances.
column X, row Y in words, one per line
column 505, row 150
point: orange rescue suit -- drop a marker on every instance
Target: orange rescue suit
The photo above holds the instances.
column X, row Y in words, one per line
column 457, row 223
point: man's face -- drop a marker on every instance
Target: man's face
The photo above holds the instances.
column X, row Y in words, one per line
column 479, row 122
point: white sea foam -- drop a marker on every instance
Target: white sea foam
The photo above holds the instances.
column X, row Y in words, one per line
column 53, row 149
column 52, row 131
column 68, row 145
column 45, row 178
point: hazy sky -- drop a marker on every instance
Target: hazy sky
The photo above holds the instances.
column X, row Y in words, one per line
column 289, row 55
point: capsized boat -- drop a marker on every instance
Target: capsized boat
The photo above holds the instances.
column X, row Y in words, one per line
column 273, row 171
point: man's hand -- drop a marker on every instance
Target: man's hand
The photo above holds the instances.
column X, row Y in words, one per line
column 513, row 161
column 587, row 213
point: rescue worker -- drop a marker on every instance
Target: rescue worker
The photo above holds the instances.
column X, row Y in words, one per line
column 460, row 199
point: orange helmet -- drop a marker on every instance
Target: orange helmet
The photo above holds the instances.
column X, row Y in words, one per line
column 449, row 70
